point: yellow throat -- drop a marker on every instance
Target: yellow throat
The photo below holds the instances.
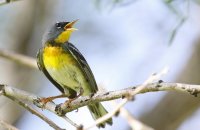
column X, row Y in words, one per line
column 65, row 35
column 54, row 57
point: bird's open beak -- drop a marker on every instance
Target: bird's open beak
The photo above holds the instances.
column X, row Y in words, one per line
column 69, row 26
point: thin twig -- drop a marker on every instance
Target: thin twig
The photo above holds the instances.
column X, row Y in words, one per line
column 71, row 122
column 151, row 79
column 134, row 123
column 7, row 126
column 18, row 58
column 108, row 115
column 129, row 96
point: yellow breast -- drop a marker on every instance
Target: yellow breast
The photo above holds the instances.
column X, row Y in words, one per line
column 55, row 57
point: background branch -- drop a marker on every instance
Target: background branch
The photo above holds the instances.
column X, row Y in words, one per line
column 134, row 123
column 8, row 1
column 4, row 124
column 19, row 59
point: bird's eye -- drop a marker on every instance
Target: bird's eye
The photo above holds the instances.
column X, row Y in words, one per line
column 58, row 25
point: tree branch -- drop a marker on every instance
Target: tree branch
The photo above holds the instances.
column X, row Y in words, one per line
column 18, row 58
column 20, row 95
column 35, row 112
column 99, row 97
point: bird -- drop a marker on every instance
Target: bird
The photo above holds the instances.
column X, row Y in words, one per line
column 67, row 69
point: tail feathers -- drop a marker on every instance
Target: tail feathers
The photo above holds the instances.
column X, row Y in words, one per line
column 97, row 110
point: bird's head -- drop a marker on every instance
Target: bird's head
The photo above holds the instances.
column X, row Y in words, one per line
column 60, row 32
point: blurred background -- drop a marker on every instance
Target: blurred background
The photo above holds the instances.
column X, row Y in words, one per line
column 124, row 41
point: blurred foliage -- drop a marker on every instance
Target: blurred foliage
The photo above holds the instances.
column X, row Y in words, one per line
column 171, row 4
column 173, row 7
column 7, row 1
column 197, row 1
column 111, row 4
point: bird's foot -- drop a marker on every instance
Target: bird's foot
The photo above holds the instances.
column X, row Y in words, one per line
column 68, row 102
column 44, row 101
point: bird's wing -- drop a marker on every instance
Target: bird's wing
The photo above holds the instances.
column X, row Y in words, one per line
column 83, row 65
column 41, row 66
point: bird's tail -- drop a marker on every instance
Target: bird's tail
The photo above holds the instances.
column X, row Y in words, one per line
column 97, row 110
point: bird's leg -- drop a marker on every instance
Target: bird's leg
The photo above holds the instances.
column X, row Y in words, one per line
column 58, row 108
column 49, row 99
column 72, row 99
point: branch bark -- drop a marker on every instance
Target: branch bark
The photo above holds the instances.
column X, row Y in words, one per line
column 35, row 112
column 9, row 91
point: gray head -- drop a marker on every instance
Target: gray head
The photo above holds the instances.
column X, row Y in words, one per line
column 60, row 32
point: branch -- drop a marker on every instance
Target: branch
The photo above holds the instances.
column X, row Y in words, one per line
column 35, row 112
column 17, row 94
column 99, row 97
column 18, row 58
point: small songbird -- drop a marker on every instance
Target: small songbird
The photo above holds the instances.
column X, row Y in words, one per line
column 64, row 65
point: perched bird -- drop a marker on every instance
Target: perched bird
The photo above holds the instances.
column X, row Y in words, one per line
column 64, row 65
